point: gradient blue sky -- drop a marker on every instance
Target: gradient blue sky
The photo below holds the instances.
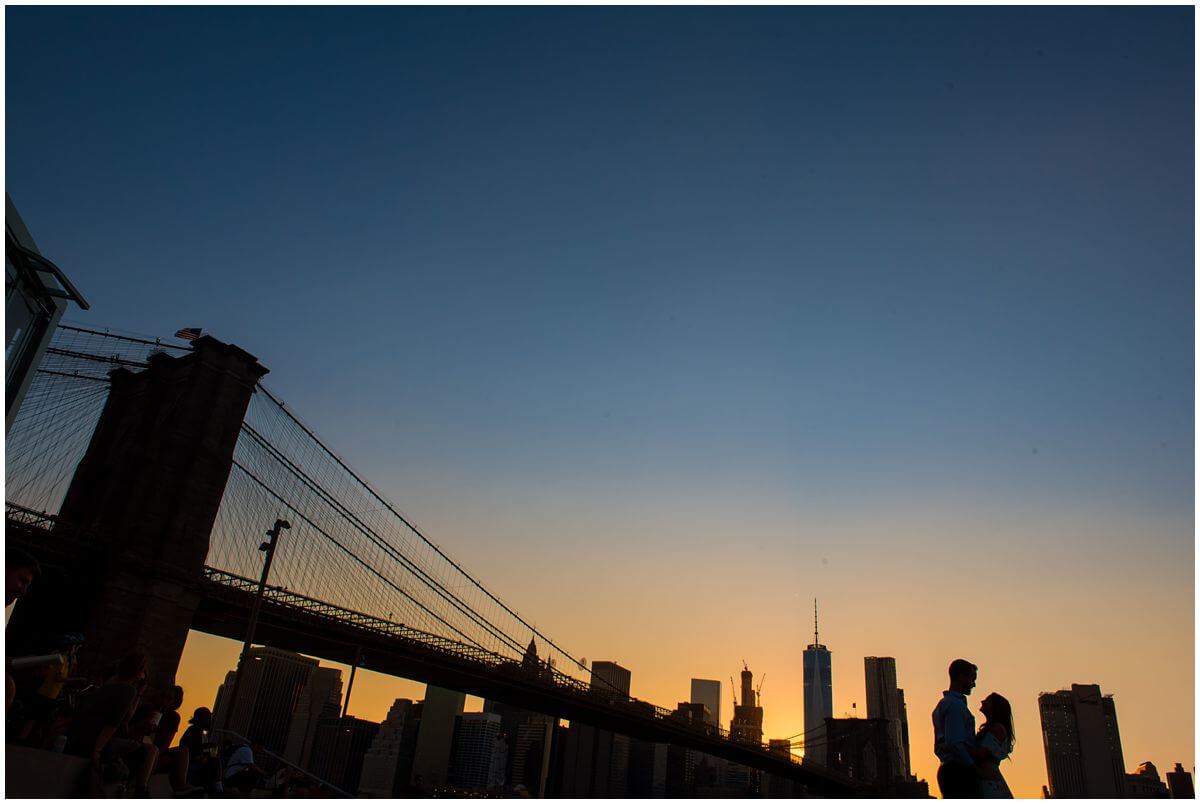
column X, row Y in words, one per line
column 656, row 276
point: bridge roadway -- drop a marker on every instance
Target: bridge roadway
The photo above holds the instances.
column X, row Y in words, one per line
column 291, row 621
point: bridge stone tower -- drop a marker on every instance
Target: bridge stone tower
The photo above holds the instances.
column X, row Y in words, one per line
column 146, row 494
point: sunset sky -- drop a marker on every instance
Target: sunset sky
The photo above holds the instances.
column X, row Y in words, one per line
column 666, row 321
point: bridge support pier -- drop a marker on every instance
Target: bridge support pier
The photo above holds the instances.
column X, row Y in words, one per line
column 146, row 494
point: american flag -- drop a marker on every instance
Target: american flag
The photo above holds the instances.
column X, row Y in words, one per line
column 189, row 334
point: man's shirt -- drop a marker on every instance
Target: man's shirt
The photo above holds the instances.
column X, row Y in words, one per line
column 953, row 728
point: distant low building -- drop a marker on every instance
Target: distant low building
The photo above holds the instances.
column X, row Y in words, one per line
column 1145, row 783
column 1179, row 782
column 862, row 749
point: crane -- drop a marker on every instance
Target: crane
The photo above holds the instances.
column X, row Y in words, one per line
column 733, row 689
column 758, row 690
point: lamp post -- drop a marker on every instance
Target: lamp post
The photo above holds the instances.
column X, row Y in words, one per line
column 267, row 547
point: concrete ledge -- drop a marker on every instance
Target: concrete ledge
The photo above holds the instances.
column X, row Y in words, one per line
column 33, row 773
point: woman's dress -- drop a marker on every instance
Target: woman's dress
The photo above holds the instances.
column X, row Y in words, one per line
column 995, row 788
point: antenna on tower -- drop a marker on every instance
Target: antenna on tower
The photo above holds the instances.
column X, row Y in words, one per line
column 816, row 636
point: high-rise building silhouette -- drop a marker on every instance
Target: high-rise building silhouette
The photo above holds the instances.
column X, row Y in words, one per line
column 883, row 702
column 595, row 762
column 681, row 763
column 480, row 754
column 1179, row 782
column 320, row 700
column 1082, row 742
column 272, row 682
column 818, row 695
column 746, row 725
column 610, row 677
column 529, row 750
column 648, row 769
column 708, row 693
column 220, row 707
column 529, row 736
column 339, row 747
column 904, row 735
column 435, row 737
column 777, row 786
column 388, row 763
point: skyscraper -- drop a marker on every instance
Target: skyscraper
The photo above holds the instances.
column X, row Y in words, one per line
column 529, row 751
column 321, row 699
column 220, row 707
column 611, row 677
column 529, row 736
column 883, row 702
column 388, row 763
column 479, row 755
column 272, row 683
column 747, row 715
column 818, row 695
column 338, row 749
column 1082, row 742
column 435, row 736
column 708, row 693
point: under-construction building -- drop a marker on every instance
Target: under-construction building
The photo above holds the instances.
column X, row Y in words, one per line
column 747, row 721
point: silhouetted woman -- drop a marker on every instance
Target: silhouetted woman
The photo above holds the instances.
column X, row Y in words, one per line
column 993, row 743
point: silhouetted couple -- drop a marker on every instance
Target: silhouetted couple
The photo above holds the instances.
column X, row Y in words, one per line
column 971, row 760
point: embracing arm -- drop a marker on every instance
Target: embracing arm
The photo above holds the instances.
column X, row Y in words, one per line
column 957, row 734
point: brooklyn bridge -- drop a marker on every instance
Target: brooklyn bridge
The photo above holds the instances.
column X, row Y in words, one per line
column 142, row 475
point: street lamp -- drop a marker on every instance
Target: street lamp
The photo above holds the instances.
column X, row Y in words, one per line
column 267, row 547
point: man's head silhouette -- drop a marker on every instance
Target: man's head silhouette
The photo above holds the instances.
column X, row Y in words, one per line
column 962, row 676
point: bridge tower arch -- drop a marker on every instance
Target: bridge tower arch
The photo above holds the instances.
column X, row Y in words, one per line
column 145, row 497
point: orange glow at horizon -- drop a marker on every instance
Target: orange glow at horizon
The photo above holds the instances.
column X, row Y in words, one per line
column 1034, row 614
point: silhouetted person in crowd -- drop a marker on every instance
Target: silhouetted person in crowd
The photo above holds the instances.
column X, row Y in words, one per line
column 96, row 730
column 954, row 734
column 993, row 744
column 173, row 761
column 241, row 774
column 20, row 569
column 204, row 769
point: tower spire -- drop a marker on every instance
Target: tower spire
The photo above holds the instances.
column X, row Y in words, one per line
column 816, row 636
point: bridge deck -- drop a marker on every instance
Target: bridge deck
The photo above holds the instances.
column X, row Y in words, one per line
column 291, row 621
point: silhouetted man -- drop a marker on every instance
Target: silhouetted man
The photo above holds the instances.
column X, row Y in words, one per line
column 954, row 732
column 20, row 569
